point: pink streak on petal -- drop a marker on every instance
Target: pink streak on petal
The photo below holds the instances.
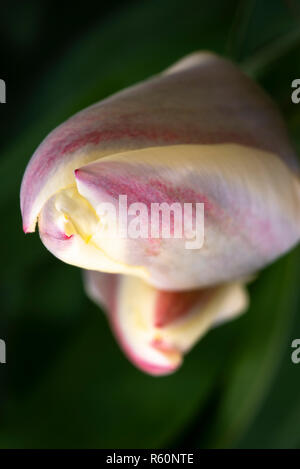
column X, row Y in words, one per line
column 174, row 305
column 148, row 367
column 191, row 105
column 115, row 179
column 109, row 285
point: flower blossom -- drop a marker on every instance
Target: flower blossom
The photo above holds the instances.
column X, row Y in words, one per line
column 200, row 132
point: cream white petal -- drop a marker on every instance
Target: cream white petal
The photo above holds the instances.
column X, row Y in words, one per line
column 202, row 99
column 132, row 305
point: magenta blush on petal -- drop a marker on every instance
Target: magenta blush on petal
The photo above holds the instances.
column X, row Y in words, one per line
column 174, row 305
column 104, row 288
column 132, row 307
column 186, row 105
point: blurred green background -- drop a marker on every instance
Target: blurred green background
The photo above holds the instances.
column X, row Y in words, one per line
column 66, row 384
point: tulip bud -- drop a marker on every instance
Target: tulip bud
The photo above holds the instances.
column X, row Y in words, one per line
column 201, row 133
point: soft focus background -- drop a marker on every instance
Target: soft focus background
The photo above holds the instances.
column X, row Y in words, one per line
column 66, row 384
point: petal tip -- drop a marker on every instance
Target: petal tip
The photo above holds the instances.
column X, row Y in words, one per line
column 154, row 369
column 27, row 229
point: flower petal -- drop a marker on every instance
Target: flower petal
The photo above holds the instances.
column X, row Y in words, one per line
column 133, row 308
column 64, row 227
column 251, row 210
column 202, row 99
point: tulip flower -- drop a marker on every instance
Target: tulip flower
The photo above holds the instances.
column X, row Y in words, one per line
column 202, row 133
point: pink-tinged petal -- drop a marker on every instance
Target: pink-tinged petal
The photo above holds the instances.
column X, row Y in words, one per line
column 132, row 308
column 203, row 99
column 172, row 305
column 251, row 209
column 65, row 224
